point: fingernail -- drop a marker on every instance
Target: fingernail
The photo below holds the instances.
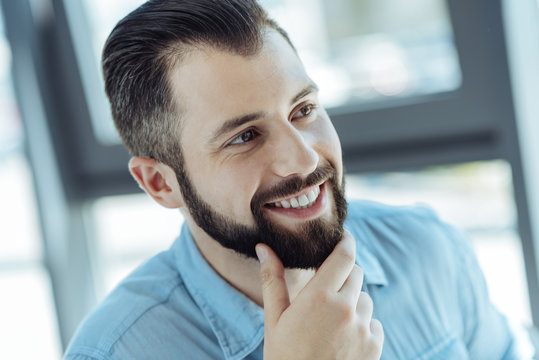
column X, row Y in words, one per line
column 261, row 253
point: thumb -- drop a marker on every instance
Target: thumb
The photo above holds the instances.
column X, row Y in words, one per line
column 274, row 290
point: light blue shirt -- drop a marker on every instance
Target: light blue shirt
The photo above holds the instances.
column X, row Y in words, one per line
column 424, row 280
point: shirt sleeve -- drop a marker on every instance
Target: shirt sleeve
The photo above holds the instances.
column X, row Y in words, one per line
column 486, row 331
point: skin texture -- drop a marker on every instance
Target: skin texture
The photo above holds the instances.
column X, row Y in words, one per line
column 309, row 314
column 329, row 319
column 296, row 249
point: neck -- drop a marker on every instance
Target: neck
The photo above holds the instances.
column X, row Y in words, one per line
column 241, row 272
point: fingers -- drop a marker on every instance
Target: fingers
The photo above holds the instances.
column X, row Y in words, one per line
column 274, row 290
column 352, row 286
column 337, row 267
column 369, row 329
column 364, row 307
column 377, row 332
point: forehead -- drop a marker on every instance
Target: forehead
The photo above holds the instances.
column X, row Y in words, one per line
column 210, row 85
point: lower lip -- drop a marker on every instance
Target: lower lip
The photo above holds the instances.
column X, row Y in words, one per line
column 304, row 214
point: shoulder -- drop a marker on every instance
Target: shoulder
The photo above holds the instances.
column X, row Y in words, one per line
column 135, row 311
column 392, row 222
column 365, row 211
column 402, row 232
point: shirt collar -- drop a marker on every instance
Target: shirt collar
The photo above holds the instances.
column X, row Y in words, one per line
column 374, row 273
column 237, row 322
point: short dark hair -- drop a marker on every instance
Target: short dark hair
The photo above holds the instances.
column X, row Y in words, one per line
column 146, row 44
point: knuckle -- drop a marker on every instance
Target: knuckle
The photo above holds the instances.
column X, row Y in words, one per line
column 267, row 278
column 376, row 325
column 322, row 298
column 373, row 345
column 358, row 271
column 377, row 331
column 365, row 301
column 347, row 254
column 347, row 311
column 348, row 239
column 363, row 331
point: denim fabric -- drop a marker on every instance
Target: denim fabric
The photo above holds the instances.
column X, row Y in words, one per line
column 422, row 275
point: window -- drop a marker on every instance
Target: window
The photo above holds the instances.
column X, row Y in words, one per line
column 128, row 230
column 395, row 96
column 95, row 20
column 26, row 305
column 357, row 51
column 362, row 51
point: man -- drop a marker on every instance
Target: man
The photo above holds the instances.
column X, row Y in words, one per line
column 223, row 123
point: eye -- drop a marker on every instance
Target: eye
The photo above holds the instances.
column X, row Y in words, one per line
column 303, row 111
column 244, row 137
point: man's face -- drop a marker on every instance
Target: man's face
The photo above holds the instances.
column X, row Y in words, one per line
column 262, row 161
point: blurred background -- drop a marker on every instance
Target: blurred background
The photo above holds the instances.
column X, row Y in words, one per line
column 435, row 102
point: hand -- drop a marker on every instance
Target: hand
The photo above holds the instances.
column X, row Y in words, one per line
column 329, row 319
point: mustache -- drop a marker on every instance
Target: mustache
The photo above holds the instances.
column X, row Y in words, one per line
column 292, row 186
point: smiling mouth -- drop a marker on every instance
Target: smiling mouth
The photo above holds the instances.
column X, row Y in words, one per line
column 303, row 200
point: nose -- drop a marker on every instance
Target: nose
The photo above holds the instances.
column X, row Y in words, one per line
column 292, row 153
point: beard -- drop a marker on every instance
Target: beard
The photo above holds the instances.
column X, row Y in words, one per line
column 304, row 248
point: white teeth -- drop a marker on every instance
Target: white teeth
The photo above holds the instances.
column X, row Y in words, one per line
column 311, row 195
column 301, row 202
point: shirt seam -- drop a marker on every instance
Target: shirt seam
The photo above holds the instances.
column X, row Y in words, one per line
column 93, row 353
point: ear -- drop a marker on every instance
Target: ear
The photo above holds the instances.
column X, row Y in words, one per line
column 158, row 180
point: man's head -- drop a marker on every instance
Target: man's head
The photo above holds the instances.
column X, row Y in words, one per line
column 222, row 120
column 146, row 45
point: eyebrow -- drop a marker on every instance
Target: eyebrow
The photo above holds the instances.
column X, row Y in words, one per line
column 236, row 122
column 304, row 92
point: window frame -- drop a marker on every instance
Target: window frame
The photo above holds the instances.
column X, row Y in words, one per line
column 392, row 133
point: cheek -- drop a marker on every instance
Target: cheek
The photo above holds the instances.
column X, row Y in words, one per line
column 326, row 140
column 327, row 144
column 235, row 187
column 333, row 140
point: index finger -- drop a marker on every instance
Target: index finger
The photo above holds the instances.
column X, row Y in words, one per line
column 338, row 265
